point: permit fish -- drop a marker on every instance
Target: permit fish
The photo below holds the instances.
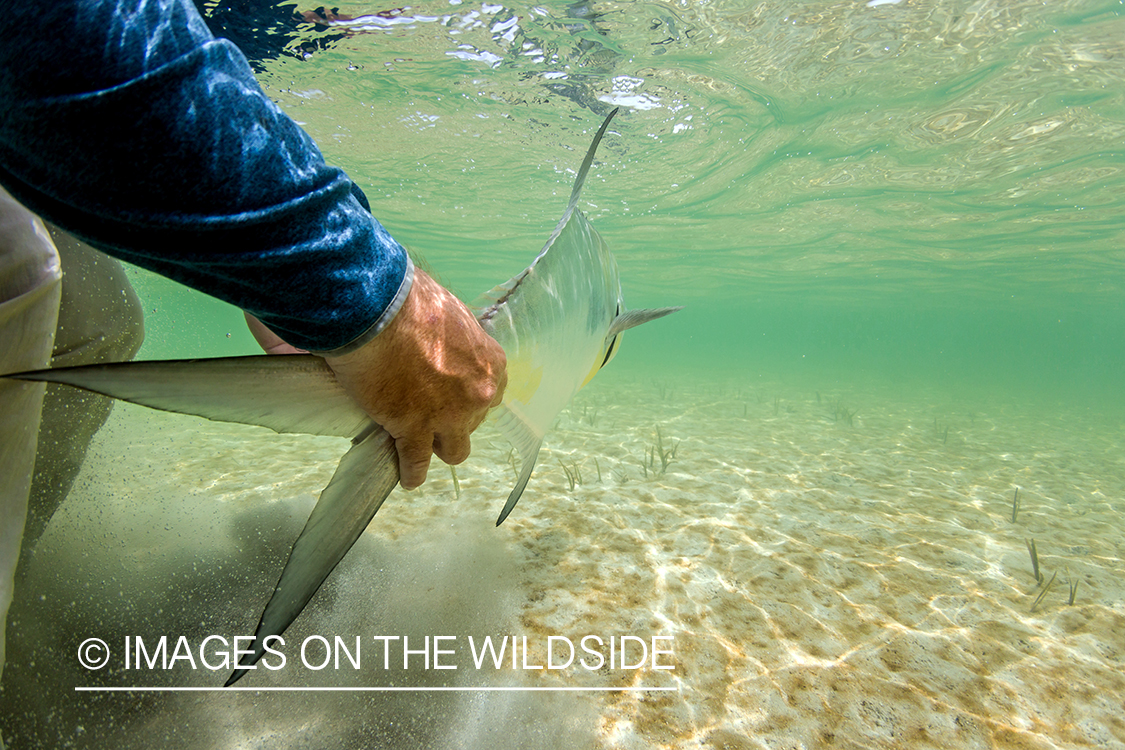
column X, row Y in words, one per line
column 559, row 322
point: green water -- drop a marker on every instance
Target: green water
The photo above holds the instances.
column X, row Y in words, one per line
column 919, row 193
column 897, row 232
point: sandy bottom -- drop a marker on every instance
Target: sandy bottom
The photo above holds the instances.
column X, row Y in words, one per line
column 833, row 570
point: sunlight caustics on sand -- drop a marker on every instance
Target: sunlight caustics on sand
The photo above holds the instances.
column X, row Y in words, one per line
column 835, row 570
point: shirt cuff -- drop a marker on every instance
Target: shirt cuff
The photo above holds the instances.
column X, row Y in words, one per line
column 383, row 321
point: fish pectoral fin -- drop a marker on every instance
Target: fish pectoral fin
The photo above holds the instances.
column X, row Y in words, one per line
column 633, row 318
column 293, row 393
column 366, row 475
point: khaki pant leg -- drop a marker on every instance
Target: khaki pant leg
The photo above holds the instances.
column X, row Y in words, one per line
column 100, row 320
column 30, row 290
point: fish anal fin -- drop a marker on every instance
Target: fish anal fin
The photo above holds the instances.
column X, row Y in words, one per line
column 524, row 439
column 526, row 468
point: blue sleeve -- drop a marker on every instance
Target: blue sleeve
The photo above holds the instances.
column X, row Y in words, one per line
column 126, row 123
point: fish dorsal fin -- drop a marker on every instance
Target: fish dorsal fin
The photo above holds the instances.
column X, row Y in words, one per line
column 633, row 318
column 494, row 299
column 580, row 180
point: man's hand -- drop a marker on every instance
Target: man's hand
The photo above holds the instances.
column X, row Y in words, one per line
column 429, row 378
column 270, row 342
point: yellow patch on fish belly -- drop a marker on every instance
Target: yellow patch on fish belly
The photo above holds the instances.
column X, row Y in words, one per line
column 524, row 378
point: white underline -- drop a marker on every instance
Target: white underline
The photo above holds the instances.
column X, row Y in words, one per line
column 384, row 689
